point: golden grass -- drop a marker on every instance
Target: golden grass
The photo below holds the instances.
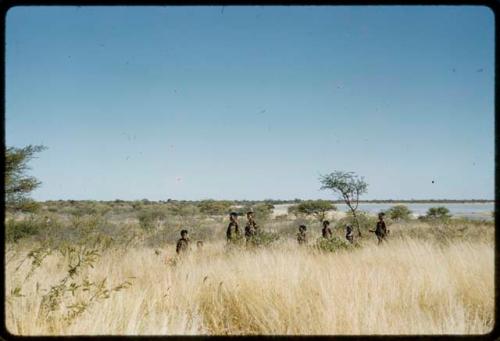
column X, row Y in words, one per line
column 407, row 286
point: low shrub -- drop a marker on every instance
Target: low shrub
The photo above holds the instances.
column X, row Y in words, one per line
column 183, row 209
column 16, row 230
column 437, row 213
column 213, row 207
column 333, row 244
column 263, row 238
column 262, row 212
column 366, row 222
column 399, row 212
column 281, row 217
column 151, row 218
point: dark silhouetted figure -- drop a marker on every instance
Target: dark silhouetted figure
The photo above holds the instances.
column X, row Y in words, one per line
column 251, row 227
column 349, row 234
column 302, row 236
column 326, row 231
column 381, row 230
column 233, row 229
column 183, row 243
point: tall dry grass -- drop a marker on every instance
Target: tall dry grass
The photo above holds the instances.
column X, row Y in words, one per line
column 408, row 286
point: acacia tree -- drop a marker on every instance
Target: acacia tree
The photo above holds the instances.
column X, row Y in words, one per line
column 18, row 185
column 349, row 187
column 317, row 208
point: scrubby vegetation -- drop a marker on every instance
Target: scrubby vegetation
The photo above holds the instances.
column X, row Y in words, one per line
column 437, row 213
column 333, row 244
column 399, row 212
column 315, row 208
column 71, row 260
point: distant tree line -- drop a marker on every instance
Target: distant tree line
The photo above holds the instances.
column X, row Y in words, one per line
column 281, row 202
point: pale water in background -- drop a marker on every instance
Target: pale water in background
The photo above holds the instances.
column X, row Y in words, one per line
column 468, row 210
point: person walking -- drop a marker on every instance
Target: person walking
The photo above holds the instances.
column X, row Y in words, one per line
column 381, row 230
column 233, row 229
column 302, row 236
column 183, row 243
column 250, row 228
column 326, row 232
column 349, row 233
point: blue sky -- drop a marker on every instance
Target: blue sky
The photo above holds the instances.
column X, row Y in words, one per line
column 252, row 102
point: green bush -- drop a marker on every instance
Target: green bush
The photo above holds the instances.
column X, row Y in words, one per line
column 183, row 209
column 16, row 230
column 136, row 205
column 366, row 222
column 83, row 209
column 281, row 217
column 316, row 208
column 399, row 212
column 102, row 209
column 438, row 213
column 88, row 222
column 333, row 244
column 212, row 207
column 263, row 238
column 261, row 211
column 151, row 218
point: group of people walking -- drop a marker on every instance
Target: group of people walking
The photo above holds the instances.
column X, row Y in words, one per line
column 380, row 231
column 233, row 232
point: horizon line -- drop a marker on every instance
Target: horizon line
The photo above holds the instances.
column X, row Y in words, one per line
column 270, row 199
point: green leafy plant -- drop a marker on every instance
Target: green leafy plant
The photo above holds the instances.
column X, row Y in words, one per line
column 316, row 208
column 263, row 238
column 399, row 212
column 349, row 187
column 365, row 221
column 262, row 211
column 333, row 244
column 215, row 207
column 16, row 230
column 150, row 219
column 438, row 213
column 61, row 297
column 18, row 185
column 97, row 291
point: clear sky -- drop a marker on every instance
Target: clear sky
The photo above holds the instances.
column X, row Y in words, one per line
column 252, row 102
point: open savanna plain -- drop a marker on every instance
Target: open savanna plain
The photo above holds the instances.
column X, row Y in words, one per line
column 86, row 268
